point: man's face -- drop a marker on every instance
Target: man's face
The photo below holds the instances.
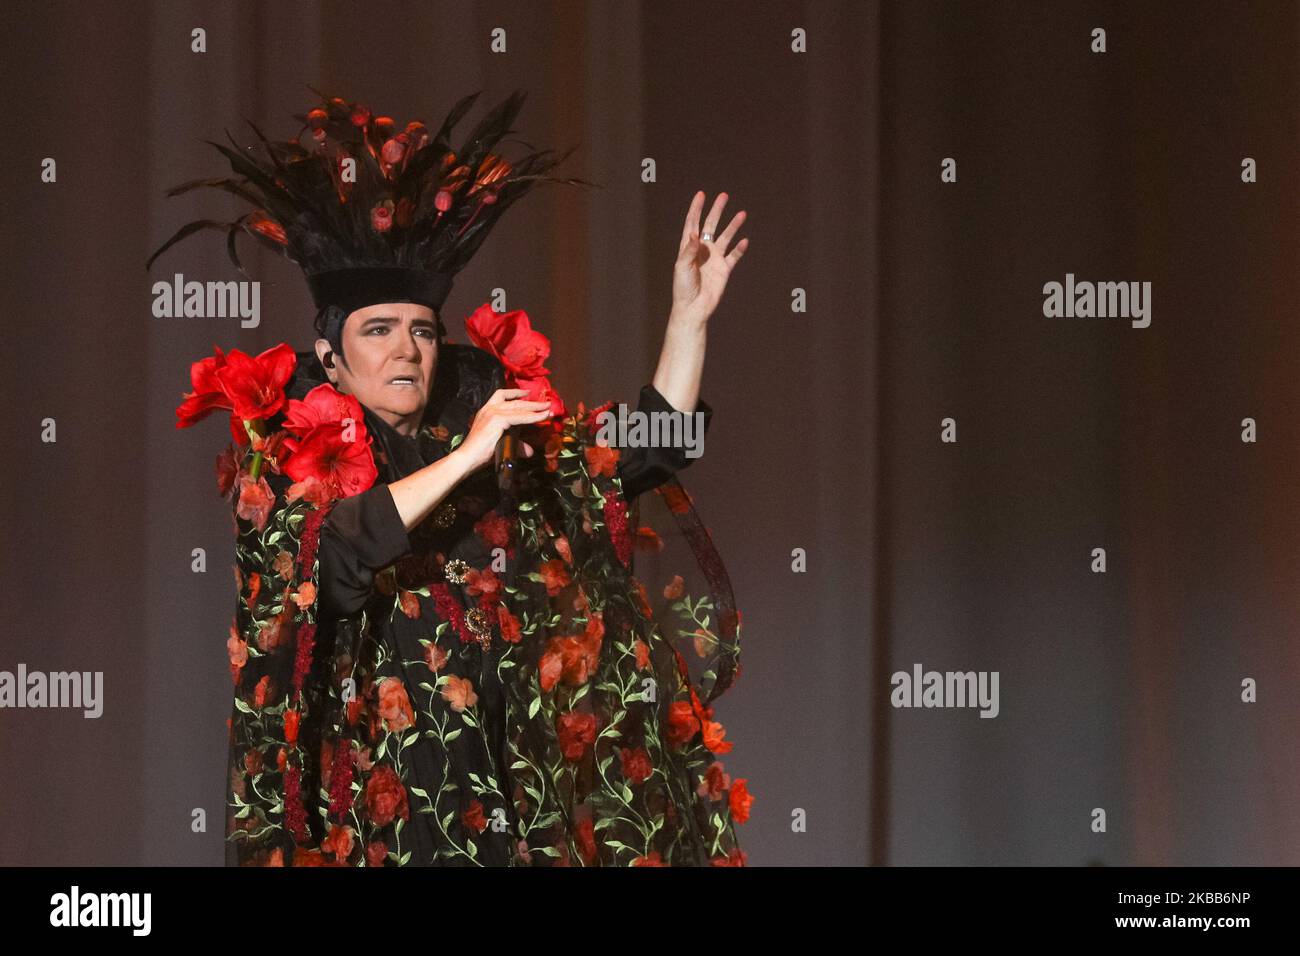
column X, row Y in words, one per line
column 391, row 351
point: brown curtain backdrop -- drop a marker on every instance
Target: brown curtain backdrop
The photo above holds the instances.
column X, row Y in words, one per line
column 1119, row 691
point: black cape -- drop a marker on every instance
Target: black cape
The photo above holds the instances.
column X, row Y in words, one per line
column 375, row 725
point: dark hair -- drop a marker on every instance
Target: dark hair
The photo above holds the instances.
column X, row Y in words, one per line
column 329, row 325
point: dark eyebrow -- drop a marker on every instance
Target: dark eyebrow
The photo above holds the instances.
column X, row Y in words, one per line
column 392, row 319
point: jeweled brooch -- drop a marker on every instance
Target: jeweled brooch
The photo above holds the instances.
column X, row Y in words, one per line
column 476, row 620
column 455, row 570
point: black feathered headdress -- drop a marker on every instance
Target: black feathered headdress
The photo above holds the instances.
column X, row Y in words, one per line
column 369, row 212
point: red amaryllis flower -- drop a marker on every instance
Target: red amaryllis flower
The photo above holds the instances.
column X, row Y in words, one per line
column 255, row 386
column 330, row 445
column 521, row 349
column 323, row 405
column 208, row 395
column 540, row 390
column 343, row 467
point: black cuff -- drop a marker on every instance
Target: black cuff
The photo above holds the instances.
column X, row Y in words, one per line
column 643, row 468
column 652, row 400
column 370, row 526
column 361, row 535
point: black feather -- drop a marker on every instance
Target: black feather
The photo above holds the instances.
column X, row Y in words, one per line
column 297, row 187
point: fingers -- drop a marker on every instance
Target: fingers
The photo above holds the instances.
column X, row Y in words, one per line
column 727, row 234
column 508, row 406
column 715, row 214
column 505, row 393
column 691, row 227
column 734, row 255
column 521, row 413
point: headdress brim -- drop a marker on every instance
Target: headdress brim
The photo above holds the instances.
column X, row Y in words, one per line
column 356, row 288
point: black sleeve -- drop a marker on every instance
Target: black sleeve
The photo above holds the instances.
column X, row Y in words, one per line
column 362, row 534
column 644, row 468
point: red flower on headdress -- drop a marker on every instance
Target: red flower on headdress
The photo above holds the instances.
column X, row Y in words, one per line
column 393, row 150
column 511, row 338
column 381, row 217
column 264, row 225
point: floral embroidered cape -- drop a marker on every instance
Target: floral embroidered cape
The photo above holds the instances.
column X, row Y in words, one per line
column 582, row 734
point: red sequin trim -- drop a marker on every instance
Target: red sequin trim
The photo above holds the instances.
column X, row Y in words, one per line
column 341, row 776
column 311, row 538
column 302, row 661
column 295, row 816
column 450, row 609
column 616, row 521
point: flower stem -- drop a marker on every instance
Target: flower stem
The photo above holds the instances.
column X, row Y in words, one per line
column 254, row 434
